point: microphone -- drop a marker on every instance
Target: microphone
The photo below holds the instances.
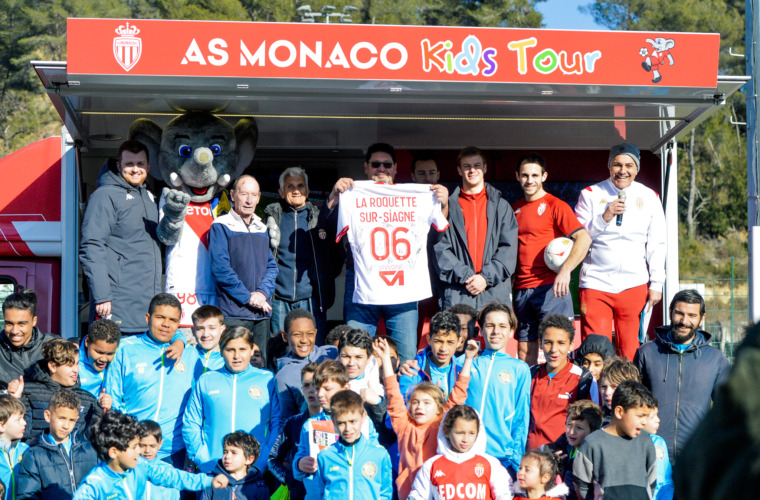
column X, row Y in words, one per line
column 619, row 220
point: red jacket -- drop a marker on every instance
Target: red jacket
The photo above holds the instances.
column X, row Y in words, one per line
column 550, row 397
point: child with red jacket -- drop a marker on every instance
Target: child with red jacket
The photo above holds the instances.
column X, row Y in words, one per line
column 557, row 383
column 462, row 469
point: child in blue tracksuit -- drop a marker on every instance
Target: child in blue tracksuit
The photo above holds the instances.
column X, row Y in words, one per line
column 330, row 378
column 123, row 473
column 150, row 443
column 95, row 354
column 208, row 326
column 143, row 381
column 500, row 389
column 237, row 397
column 352, row 468
column 12, row 450
column 437, row 362
column 664, row 488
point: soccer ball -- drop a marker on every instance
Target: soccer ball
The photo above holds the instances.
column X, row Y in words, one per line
column 557, row 252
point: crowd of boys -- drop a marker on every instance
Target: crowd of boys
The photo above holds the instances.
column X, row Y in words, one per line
column 251, row 408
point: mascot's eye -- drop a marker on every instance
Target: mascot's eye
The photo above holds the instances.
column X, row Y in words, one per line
column 185, row 151
column 216, row 149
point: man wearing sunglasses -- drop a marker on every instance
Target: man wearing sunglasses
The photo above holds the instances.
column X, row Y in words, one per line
column 400, row 319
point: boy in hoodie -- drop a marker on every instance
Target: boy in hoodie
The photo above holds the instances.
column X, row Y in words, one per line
column 96, row 352
column 57, row 460
column 285, row 447
column 119, row 250
column 150, row 442
column 300, row 333
column 12, row 426
column 144, row 381
column 208, row 326
column 237, row 397
column 58, row 369
column 556, row 383
column 462, row 468
column 500, row 388
column 593, row 352
column 122, row 473
column 246, row 482
column 436, row 362
column 353, row 467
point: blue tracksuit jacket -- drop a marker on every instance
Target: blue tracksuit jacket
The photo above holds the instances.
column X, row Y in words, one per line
column 102, row 483
column 224, row 402
column 368, row 431
column 352, row 472
column 90, row 379
column 664, row 489
column 10, row 463
column 500, row 391
column 208, row 361
column 155, row 492
column 146, row 384
column 406, row 382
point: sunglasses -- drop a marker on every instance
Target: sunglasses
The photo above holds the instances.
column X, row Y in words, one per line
column 378, row 164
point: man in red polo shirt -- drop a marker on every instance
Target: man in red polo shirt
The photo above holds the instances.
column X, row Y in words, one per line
column 539, row 291
column 476, row 256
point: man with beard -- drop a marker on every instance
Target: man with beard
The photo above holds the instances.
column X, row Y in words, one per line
column 682, row 369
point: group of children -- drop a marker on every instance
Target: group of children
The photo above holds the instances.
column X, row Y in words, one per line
column 344, row 420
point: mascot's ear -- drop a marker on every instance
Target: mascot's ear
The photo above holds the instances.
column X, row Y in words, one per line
column 246, row 135
column 149, row 133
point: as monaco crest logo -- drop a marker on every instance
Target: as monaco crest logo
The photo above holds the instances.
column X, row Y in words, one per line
column 127, row 48
column 479, row 469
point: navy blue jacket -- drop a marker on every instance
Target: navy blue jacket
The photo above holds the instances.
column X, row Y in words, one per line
column 38, row 389
column 119, row 249
column 241, row 263
column 283, row 450
column 683, row 383
column 251, row 487
column 48, row 472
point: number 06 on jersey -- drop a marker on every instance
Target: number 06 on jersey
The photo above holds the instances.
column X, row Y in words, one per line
column 387, row 227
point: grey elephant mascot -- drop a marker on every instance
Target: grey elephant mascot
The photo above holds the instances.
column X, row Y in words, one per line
column 198, row 154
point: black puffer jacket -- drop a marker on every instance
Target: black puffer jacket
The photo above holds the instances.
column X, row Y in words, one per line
column 38, row 388
column 15, row 360
column 48, row 472
column 683, row 383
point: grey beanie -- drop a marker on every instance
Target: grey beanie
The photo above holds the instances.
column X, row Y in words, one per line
column 625, row 148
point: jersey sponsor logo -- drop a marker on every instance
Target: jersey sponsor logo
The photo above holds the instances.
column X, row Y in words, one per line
column 127, row 48
column 565, row 395
column 255, row 392
column 141, row 367
column 334, row 468
column 542, row 208
column 439, row 473
column 391, row 278
column 462, row 490
column 603, row 201
column 505, row 376
column 369, row 470
column 180, row 367
column 480, row 469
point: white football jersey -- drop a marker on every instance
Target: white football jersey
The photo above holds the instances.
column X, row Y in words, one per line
column 387, row 226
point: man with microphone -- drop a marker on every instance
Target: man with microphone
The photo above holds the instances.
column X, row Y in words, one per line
column 624, row 271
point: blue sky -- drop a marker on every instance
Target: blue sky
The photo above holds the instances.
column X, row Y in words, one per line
column 564, row 14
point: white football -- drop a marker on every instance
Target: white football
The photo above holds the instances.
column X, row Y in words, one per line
column 557, row 252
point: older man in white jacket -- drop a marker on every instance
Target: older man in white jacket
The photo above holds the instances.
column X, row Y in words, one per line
column 624, row 271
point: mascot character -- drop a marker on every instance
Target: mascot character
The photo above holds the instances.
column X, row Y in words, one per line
column 198, row 155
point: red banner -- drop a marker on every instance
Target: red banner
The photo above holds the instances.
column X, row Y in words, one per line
column 390, row 53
